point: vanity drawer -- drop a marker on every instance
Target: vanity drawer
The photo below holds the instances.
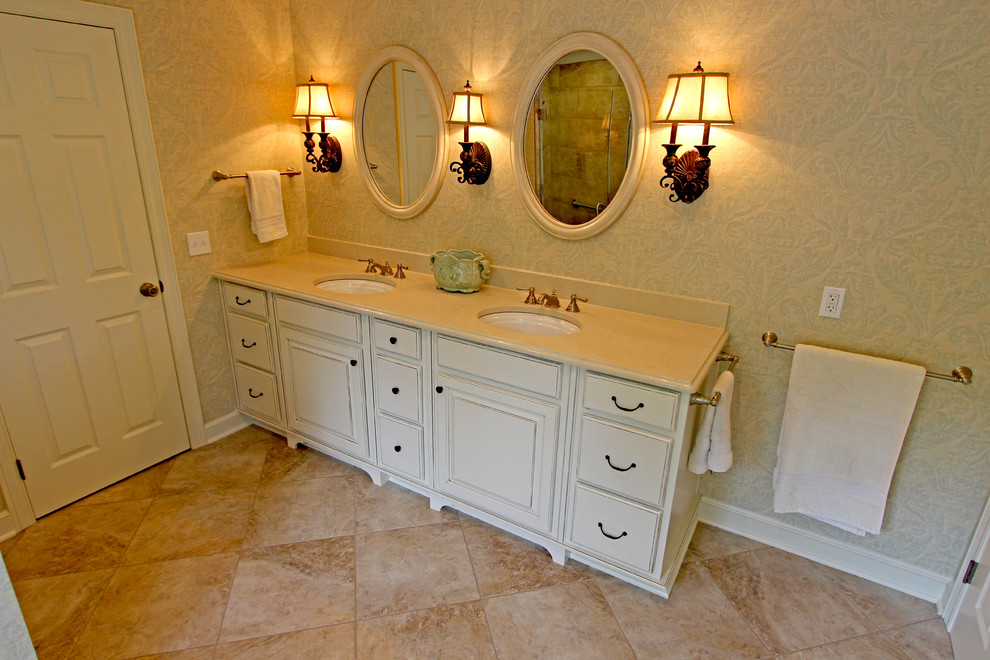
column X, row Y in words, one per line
column 513, row 369
column 321, row 320
column 614, row 529
column 397, row 339
column 250, row 341
column 400, row 447
column 630, row 402
column 398, row 388
column 245, row 300
column 622, row 460
column 256, row 393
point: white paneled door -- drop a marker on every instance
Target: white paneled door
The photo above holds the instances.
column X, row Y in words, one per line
column 88, row 385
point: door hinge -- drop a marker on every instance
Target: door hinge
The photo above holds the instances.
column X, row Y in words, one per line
column 970, row 572
column 161, row 287
column 20, row 469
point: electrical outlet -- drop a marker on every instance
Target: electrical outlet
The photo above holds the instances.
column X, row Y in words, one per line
column 832, row 300
column 199, row 243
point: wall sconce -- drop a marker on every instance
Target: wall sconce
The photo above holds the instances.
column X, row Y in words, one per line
column 313, row 104
column 692, row 98
column 475, row 165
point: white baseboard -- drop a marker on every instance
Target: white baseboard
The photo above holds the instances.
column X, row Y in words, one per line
column 846, row 557
column 224, row 426
column 8, row 526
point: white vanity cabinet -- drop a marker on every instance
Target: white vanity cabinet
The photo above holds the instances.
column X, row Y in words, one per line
column 250, row 336
column 323, row 371
column 500, row 428
column 402, row 395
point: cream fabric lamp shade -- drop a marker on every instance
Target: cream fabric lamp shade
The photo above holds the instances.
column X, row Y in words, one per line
column 696, row 98
column 313, row 102
column 466, row 108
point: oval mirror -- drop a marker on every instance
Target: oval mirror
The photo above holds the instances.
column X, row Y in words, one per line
column 399, row 132
column 580, row 135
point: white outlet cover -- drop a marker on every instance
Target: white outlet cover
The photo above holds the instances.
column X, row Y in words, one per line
column 199, row 243
column 832, row 299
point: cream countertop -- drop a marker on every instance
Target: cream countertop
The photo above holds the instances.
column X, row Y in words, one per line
column 646, row 348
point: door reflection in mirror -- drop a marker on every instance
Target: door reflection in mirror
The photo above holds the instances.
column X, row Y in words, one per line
column 399, row 133
column 578, row 137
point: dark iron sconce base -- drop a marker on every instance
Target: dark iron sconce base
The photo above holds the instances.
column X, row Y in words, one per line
column 687, row 176
column 330, row 156
column 475, row 165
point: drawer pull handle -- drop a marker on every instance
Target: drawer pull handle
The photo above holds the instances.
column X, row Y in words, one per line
column 253, row 395
column 251, row 345
column 397, row 448
column 395, row 390
column 353, row 363
column 393, row 340
column 237, row 299
column 625, row 469
column 439, row 389
column 607, row 535
column 623, row 408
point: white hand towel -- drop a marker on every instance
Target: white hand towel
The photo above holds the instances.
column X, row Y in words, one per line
column 844, row 423
column 713, row 445
column 264, row 200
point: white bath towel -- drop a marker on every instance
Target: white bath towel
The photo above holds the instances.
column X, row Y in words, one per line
column 264, row 200
column 844, row 422
column 713, row 445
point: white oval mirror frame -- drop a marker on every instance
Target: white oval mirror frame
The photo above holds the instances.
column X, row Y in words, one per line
column 640, row 134
column 436, row 178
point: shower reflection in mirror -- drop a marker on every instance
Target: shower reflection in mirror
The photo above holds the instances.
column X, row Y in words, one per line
column 578, row 137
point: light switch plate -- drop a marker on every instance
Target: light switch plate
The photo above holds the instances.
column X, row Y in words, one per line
column 199, row 243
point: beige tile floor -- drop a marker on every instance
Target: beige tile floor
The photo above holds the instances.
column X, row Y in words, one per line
column 249, row 549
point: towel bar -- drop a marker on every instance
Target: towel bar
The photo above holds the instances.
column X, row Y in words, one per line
column 221, row 176
column 698, row 398
column 962, row 375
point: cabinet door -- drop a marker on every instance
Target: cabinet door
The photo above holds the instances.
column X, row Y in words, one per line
column 497, row 450
column 324, row 391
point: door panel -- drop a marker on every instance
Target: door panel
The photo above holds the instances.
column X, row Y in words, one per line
column 88, row 386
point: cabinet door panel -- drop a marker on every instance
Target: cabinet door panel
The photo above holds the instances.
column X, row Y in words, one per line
column 324, row 391
column 497, row 450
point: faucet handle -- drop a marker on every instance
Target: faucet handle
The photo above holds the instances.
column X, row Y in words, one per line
column 531, row 296
column 370, row 262
column 400, row 271
column 573, row 307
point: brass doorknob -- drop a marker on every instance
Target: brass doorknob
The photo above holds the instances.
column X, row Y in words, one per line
column 149, row 290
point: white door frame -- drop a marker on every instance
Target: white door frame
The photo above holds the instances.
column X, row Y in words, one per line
column 121, row 21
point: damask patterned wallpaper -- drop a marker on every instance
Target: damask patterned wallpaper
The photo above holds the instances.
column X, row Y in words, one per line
column 859, row 159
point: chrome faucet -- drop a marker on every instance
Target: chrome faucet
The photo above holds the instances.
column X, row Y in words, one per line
column 573, row 307
column 385, row 270
column 549, row 300
column 374, row 266
column 371, row 265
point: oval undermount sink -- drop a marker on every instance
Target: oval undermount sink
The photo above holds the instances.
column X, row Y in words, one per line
column 355, row 283
column 530, row 321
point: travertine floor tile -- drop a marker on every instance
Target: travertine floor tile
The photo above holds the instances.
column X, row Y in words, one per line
column 7, row 546
column 291, row 511
column 291, row 587
column 449, row 632
column 327, row 643
column 160, row 607
column 781, row 594
column 140, row 486
column 412, row 568
column 696, row 622
column 711, row 542
column 870, row 647
column 566, row 621
column 927, row 640
column 193, row 524
column 234, row 462
column 505, row 564
column 886, row 607
column 284, row 463
column 57, row 608
column 390, row 507
column 74, row 539
column 201, row 653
